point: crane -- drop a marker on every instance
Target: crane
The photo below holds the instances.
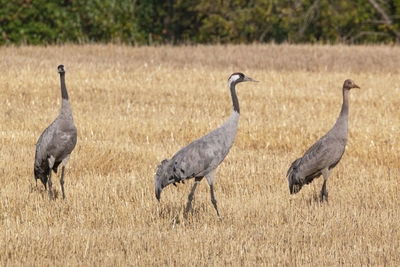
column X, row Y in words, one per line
column 201, row 157
column 325, row 154
column 56, row 142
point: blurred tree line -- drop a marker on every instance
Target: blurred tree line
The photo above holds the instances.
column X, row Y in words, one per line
column 199, row 21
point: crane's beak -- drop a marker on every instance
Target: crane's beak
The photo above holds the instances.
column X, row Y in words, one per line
column 355, row 86
column 248, row 79
column 294, row 188
column 158, row 193
column 157, row 188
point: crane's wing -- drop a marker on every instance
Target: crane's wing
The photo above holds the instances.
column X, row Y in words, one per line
column 202, row 156
column 54, row 141
column 325, row 153
column 41, row 166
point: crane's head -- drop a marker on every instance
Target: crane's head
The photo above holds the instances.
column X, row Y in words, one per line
column 163, row 177
column 295, row 183
column 238, row 77
column 61, row 69
column 349, row 84
column 39, row 174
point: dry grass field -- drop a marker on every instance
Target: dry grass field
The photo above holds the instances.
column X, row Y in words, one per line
column 135, row 106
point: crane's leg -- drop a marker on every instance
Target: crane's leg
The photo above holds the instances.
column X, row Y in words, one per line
column 326, row 173
column 62, row 181
column 213, row 200
column 190, row 198
column 210, row 180
column 64, row 163
column 50, row 184
column 51, row 164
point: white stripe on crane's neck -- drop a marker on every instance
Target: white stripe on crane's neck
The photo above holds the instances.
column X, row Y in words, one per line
column 233, row 78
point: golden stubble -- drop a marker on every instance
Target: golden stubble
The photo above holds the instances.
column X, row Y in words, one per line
column 135, row 106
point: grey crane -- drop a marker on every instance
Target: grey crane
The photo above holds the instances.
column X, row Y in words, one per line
column 201, row 157
column 325, row 154
column 56, row 142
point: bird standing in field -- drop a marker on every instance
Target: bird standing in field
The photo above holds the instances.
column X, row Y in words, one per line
column 201, row 157
column 325, row 154
column 56, row 142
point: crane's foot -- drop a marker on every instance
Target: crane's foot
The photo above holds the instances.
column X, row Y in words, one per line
column 188, row 206
column 50, row 190
column 324, row 194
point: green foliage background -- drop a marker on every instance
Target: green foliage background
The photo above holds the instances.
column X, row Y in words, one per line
column 198, row 21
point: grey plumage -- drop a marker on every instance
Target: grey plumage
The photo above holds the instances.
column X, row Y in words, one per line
column 201, row 157
column 56, row 142
column 325, row 154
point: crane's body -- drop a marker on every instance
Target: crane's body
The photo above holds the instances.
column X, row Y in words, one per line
column 208, row 152
column 325, row 154
column 201, row 157
column 56, row 142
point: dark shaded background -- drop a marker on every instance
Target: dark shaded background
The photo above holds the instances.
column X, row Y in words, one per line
column 199, row 21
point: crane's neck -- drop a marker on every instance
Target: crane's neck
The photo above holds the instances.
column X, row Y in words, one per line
column 65, row 106
column 64, row 92
column 342, row 122
column 344, row 112
column 235, row 100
